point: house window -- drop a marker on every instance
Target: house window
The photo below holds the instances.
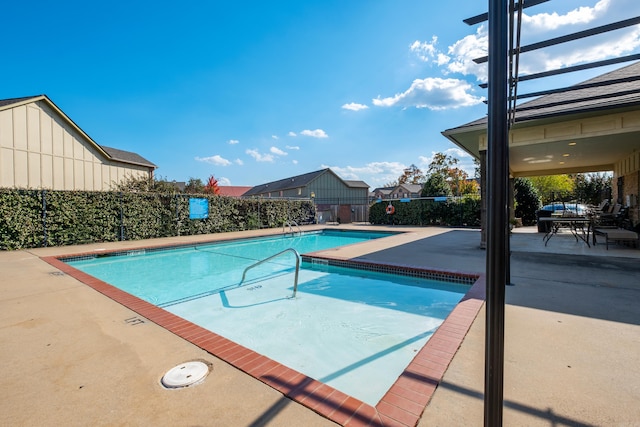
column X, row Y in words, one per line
column 299, row 191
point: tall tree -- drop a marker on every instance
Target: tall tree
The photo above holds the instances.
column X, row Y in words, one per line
column 436, row 186
column 527, row 200
column 194, row 186
column 212, row 186
column 592, row 188
column 553, row 187
column 411, row 175
column 446, row 166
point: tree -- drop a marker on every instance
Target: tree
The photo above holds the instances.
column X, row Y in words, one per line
column 212, row 186
column 527, row 200
column 411, row 175
column 553, row 187
column 447, row 167
column 194, row 186
column 436, row 186
column 592, row 188
column 143, row 184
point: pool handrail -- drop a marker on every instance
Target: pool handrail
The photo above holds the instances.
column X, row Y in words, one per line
column 295, row 281
column 291, row 224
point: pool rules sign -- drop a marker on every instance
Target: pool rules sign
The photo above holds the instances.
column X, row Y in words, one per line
column 198, row 208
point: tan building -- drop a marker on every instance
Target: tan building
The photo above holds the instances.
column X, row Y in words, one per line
column 42, row 148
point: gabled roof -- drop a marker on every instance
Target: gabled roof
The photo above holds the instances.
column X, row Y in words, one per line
column 599, row 120
column 108, row 152
column 412, row 188
column 356, row 184
column 127, row 157
column 233, row 190
column 299, row 181
column 287, row 183
column 624, row 91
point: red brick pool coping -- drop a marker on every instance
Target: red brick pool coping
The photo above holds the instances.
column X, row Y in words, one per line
column 403, row 403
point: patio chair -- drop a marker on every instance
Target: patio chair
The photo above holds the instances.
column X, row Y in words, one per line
column 613, row 218
column 615, row 235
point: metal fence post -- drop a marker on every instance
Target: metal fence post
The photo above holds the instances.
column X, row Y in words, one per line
column 44, row 218
column 121, row 216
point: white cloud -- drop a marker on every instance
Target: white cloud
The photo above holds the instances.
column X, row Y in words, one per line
column 238, row 162
column 260, row 157
column 275, row 137
column 292, row 147
column 354, row 107
column 434, row 94
column 547, row 25
column 292, row 134
column 375, row 174
column 233, row 141
column 461, row 54
column 295, row 162
column 426, row 51
column 214, row 160
column 277, row 151
column 223, row 181
column 318, row 133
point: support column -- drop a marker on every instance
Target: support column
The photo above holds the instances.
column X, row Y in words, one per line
column 483, row 199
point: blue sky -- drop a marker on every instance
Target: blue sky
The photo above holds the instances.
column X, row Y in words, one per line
column 254, row 91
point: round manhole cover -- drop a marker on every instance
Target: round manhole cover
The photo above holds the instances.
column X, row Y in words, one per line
column 185, row 375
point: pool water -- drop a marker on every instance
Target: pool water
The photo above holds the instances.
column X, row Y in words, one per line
column 352, row 329
column 164, row 276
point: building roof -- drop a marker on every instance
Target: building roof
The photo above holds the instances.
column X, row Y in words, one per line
column 233, row 190
column 356, row 184
column 616, row 89
column 127, row 157
column 599, row 120
column 109, row 153
column 412, row 188
column 286, row 184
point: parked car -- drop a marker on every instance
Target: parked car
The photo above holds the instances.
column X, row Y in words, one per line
column 558, row 208
column 568, row 207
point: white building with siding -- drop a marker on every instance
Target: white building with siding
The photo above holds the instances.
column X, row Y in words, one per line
column 42, row 148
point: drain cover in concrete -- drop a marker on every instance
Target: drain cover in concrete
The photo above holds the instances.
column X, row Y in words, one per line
column 185, row 374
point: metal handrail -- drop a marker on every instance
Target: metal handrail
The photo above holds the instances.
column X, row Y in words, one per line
column 295, row 281
column 291, row 224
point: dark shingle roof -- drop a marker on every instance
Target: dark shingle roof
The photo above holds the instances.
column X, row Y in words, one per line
column 624, row 91
column 286, row 184
column 10, row 101
column 356, row 184
column 127, row 156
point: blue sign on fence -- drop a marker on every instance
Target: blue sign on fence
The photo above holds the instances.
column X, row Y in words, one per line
column 198, row 208
column 440, row 199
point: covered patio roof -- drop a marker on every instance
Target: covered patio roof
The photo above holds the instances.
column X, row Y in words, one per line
column 588, row 128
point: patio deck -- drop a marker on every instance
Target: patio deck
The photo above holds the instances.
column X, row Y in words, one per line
column 71, row 356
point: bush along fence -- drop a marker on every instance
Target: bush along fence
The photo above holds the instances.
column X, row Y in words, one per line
column 38, row 218
column 446, row 211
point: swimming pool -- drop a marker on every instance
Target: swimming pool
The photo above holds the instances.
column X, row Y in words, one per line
column 165, row 275
column 262, row 296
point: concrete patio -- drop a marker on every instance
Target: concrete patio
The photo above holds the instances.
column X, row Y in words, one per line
column 71, row 356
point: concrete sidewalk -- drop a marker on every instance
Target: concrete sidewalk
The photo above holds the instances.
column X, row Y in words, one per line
column 71, row 356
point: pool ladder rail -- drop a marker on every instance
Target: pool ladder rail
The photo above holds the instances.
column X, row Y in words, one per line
column 291, row 224
column 295, row 280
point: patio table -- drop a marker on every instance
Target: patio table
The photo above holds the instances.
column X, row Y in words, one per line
column 575, row 224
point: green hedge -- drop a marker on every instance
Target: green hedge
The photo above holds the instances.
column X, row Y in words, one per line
column 461, row 212
column 37, row 218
